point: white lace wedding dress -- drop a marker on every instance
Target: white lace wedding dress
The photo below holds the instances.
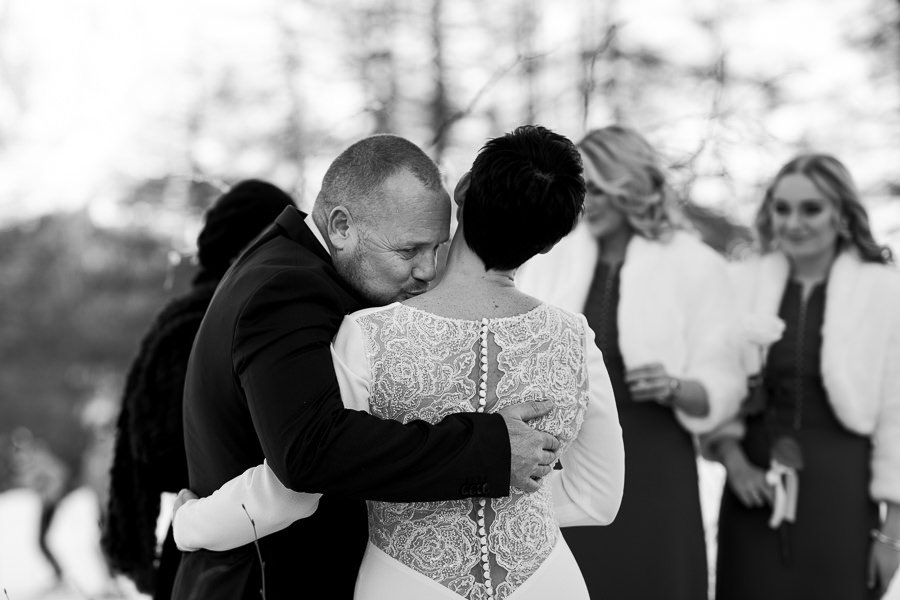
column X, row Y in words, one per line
column 402, row 363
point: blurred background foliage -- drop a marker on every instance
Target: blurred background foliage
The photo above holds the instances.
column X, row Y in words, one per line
column 120, row 122
column 75, row 299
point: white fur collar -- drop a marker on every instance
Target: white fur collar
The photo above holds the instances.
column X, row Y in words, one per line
column 651, row 315
column 651, row 320
column 674, row 309
column 854, row 334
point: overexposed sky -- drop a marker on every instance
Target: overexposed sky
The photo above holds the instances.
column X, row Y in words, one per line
column 98, row 78
column 93, row 93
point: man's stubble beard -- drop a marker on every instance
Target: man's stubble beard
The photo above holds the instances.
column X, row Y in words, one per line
column 352, row 268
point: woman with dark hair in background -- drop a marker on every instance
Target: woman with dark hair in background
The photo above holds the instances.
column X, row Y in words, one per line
column 660, row 304
column 149, row 454
column 820, row 440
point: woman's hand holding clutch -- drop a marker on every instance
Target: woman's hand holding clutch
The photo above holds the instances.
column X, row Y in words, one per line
column 746, row 481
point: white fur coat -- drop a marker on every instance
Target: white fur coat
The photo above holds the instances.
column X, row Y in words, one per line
column 676, row 307
column 860, row 358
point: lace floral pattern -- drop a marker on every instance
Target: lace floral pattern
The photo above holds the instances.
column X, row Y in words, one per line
column 426, row 367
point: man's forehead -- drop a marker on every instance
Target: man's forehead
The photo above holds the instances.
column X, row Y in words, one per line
column 413, row 232
column 423, row 224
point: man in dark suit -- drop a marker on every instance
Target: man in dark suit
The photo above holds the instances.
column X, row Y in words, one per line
column 261, row 384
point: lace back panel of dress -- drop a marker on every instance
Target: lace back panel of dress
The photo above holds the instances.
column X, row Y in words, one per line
column 426, row 367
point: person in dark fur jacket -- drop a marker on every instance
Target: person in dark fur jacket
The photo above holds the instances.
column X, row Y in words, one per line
column 149, row 453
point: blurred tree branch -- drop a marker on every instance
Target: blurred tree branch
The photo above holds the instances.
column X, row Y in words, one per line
column 588, row 60
column 525, row 28
column 494, row 79
column 439, row 107
column 293, row 140
column 10, row 75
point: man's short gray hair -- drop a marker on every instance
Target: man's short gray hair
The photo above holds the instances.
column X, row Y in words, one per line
column 355, row 177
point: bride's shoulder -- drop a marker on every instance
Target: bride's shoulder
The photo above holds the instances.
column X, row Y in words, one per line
column 353, row 326
column 368, row 312
column 572, row 319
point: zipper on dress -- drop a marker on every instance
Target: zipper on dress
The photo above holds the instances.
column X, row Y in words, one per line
column 798, row 357
column 605, row 300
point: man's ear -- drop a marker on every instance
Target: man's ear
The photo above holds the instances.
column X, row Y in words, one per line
column 462, row 188
column 341, row 228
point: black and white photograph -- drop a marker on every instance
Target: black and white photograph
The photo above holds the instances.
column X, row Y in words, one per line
column 449, row 300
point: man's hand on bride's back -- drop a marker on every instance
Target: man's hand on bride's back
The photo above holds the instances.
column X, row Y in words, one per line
column 533, row 451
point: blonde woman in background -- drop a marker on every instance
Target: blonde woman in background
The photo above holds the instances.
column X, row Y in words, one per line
column 821, row 444
column 660, row 304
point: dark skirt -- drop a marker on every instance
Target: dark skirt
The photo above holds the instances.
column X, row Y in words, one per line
column 824, row 553
column 655, row 548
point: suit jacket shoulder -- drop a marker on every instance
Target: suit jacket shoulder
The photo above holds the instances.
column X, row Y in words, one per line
column 283, row 288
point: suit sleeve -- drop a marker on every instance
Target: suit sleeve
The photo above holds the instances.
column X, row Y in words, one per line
column 221, row 521
column 283, row 361
column 588, row 490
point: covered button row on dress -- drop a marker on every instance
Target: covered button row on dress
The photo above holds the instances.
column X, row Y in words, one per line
column 482, row 388
column 482, row 538
column 482, row 399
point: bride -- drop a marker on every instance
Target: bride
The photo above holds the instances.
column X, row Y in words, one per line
column 472, row 343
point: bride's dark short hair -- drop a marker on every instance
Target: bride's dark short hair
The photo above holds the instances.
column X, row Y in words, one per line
column 526, row 193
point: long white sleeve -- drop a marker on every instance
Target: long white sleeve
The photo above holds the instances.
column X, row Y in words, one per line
column 219, row 522
column 885, row 484
column 351, row 365
column 588, row 489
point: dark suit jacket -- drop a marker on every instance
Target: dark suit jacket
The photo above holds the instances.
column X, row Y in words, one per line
column 261, row 384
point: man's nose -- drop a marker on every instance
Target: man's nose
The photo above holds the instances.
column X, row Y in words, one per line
column 425, row 268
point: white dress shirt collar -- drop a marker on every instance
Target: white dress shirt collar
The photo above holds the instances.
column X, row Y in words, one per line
column 315, row 231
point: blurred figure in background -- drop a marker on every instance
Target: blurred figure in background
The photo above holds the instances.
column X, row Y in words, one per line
column 149, row 449
column 660, row 304
column 819, row 440
column 37, row 468
column 98, row 418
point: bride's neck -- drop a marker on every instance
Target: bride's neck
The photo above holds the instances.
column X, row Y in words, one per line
column 465, row 268
column 468, row 291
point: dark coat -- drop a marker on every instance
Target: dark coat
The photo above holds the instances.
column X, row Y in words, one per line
column 261, row 384
column 149, row 450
